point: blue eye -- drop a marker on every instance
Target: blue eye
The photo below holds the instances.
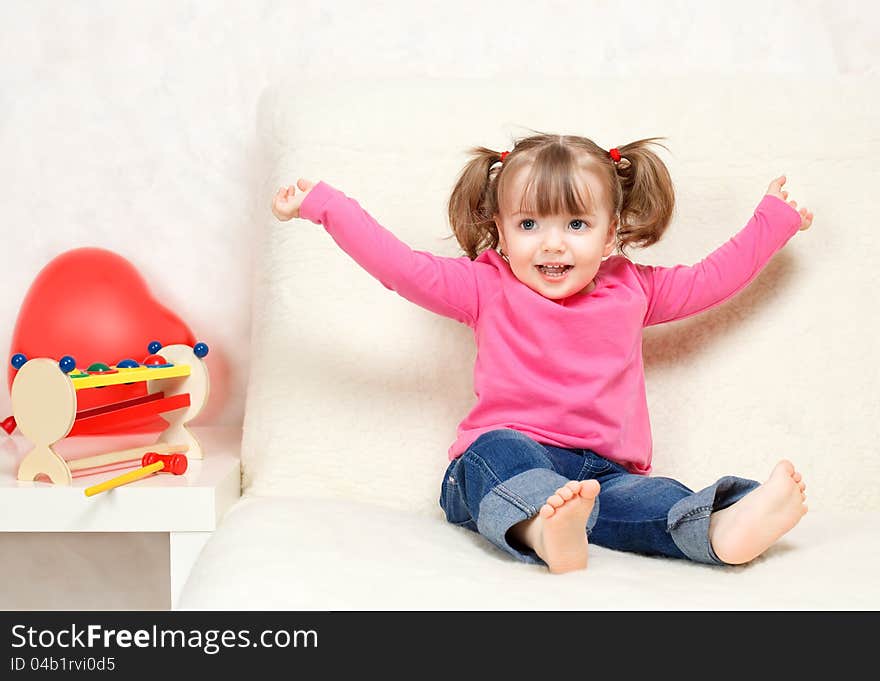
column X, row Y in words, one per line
column 576, row 229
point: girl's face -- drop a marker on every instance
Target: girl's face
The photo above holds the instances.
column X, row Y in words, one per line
column 578, row 241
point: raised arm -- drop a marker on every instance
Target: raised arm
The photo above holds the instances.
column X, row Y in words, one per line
column 447, row 286
column 684, row 290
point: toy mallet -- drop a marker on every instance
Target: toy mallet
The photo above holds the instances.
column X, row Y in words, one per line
column 151, row 463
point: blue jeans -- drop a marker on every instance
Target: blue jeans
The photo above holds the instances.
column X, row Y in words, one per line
column 505, row 476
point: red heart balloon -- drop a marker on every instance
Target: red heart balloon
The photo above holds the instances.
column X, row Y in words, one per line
column 93, row 305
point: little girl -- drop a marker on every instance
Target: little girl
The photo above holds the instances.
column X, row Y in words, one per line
column 556, row 452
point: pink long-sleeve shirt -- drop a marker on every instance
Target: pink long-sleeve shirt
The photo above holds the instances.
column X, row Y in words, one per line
column 565, row 372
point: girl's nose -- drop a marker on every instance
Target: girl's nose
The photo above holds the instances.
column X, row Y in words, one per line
column 553, row 243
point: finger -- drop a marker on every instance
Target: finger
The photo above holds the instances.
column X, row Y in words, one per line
column 793, row 204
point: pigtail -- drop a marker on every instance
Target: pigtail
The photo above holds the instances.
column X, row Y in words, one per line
column 647, row 198
column 472, row 203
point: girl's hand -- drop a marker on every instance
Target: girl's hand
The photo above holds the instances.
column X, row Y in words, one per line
column 775, row 189
column 287, row 201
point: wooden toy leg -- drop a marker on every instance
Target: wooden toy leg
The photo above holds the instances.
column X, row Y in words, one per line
column 43, row 460
column 44, row 403
column 198, row 387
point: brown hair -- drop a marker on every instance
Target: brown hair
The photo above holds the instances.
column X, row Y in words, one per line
column 639, row 187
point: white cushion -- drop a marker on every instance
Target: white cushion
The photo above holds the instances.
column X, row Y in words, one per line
column 307, row 554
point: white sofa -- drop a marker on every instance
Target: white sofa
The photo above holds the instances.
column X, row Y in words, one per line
column 355, row 392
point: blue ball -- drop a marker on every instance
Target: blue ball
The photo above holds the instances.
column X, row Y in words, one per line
column 18, row 360
column 154, row 347
column 200, row 349
column 127, row 364
column 67, row 364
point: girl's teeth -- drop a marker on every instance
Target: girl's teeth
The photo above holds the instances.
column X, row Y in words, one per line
column 554, row 271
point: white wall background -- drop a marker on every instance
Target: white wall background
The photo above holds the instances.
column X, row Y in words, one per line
column 130, row 124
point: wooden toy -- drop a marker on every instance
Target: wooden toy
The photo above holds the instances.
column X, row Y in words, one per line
column 44, row 406
column 153, row 462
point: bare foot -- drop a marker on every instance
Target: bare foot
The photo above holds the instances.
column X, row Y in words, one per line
column 558, row 534
column 743, row 531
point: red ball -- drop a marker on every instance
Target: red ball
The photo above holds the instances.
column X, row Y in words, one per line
column 153, row 360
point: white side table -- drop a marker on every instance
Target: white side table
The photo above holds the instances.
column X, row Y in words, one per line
column 188, row 507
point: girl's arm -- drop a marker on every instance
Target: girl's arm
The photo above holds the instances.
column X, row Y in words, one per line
column 447, row 286
column 681, row 291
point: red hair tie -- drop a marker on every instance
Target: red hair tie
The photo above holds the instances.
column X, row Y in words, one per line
column 614, row 154
column 504, row 155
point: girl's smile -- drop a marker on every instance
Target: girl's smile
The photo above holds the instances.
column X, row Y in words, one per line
column 554, row 273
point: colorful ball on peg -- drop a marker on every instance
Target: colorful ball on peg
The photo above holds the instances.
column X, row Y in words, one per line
column 154, row 347
column 154, row 361
column 127, row 364
column 200, row 349
column 18, row 360
column 67, row 364
column 99, row 368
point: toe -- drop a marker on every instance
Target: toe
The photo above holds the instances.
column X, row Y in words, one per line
column 590, row 488
column 803, row 486
column 555, row 501
column 796, row 477
column 784, row 465
column 565, row 492
column 574, row 486
column 546, row 511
